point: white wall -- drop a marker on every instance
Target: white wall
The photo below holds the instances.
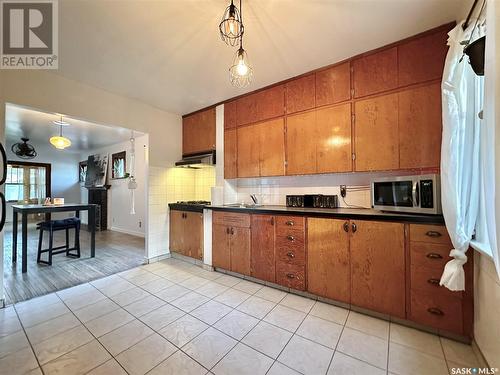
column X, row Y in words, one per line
column 119, row 199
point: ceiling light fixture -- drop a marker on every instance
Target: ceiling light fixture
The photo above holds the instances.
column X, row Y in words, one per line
column 241, row 71
column 231, row 27
column 59, row 141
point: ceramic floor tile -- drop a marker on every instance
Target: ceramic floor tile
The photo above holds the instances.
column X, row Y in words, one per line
column 61, row 344
column 144, row 306
column 145, row 355
column 330, row 312
column 156, row 285
column 211, row 312
column 367, row 324
column 79, row 301
column 248, row 287
column 13, row 343
column 243, row 360
column 280, row 369
column 460, row 353
column 209, row 347
column 189, row 301
column 51, row 328
column 306, row 356
column 228, row 280
column 9, row 325
column 236, row 324
column 212, row 289
column 116, row 288
column 365, row 347
column 78, row 361
column 19, row 362
column 129, row 296
column 194, row 282
column 232, row 297
column 38, row 303
column 178, row 364
column 183, row 330
column 124, row 337
column 285, row 317
column 106, row 323
column 257, row 307
column 171, row 293
column 343, row 364
column 162, row 316
column 110, row 367
column 106, row 281
column 271, row 294
column 210, row 275
column 321, row 331
column 40, row 314
column 415, row 339
column 133, row 273
column 96, row 310
column 298, row 303
column 75, row 291
column 404, row 360
column 144, row 278
column 267, row 339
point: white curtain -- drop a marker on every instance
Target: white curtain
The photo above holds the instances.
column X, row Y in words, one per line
column 460, row 154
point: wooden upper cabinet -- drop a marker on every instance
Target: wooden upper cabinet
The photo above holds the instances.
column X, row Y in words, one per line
column 262, row 105
column 422, row 59
column 420, row 127
column 262, row 250
column 248, row 140
column 198, row 132
column 333, row 139
column 328, row 259
column 230, row 154
column 376, row 137
column 301, row 141
column 230, row 115
column 333, row 85
column 378, row 266
column 300, row 94
column 376, row 72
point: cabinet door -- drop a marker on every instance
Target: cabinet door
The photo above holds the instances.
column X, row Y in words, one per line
column 300, row 94
column 193, row 235
column 328, row 259
column 376, row 72
column 176, row 235
column 240, row 250
column 221, row 254
column 420, row 127
column 271, row 148
column 378, row 266
column 333, row 137
column 230, row 115
column 376, row 138
column 333, row 85
column 301, row 143
column 262, row 252
column 248, row 140
column 198, row 132
column 230, row 154
column 270, row 103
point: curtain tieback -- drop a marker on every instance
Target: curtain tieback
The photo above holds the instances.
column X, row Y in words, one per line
column 453, row 276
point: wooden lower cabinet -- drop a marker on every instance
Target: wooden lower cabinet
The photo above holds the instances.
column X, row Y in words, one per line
column 328, row 259
column 378, row 266
column 239, row 243
column 186, row 233
column 221, row 250
column 262, row 252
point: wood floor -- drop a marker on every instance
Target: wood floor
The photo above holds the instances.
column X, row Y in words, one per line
column 115, row 252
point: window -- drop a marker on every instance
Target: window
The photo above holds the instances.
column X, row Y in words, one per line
column 118, row 161
column 27, row 182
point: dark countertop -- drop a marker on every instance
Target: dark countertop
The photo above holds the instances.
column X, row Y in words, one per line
column 187, row 207
column 347, row 213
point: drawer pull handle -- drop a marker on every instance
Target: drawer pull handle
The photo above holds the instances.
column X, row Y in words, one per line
column 433, row 281
column 290, row 275
column 290, row 238
column 435, row 311
column 434, row 256
column 290, row 223
column 290, row 255
column 433, row 233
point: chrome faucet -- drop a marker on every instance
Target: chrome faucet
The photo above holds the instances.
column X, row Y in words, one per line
column 254, row 198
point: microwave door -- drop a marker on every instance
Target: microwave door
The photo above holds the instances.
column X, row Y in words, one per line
column 393, row 193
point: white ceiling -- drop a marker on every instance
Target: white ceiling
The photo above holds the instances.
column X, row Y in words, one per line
column 168, row 53
column 38, row 127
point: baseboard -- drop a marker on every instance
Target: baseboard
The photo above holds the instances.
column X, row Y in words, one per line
column 126, row 231
column 2, row 303
column 157, row 258
column 479, row 354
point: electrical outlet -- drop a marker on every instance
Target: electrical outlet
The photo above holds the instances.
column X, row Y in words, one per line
column 343, row 191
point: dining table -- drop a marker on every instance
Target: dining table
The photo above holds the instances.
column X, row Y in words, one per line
column 26, row 209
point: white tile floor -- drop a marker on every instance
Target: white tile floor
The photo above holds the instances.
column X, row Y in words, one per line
column 174, row 318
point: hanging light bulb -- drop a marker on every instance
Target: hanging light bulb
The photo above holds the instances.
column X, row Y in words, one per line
column 231, row 27
column 59, row 141
column 241, row 71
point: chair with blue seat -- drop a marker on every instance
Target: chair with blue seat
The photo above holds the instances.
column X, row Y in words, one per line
column 56, row 225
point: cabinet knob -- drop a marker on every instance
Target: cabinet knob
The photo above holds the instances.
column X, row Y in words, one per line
column 346, row 226
column 433, row 281
column 290, row 238
column 290, row 223
column 434, row 256
column 433, row 233
column 227, row 230
column 290, row 255
column 354, row 227
column 435, row 311
column 290, row 275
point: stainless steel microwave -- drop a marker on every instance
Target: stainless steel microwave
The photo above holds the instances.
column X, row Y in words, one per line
column 417, row 194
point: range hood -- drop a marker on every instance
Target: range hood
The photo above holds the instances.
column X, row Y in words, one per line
column 197, row 161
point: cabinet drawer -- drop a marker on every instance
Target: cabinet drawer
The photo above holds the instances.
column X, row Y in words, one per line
column 291, row 276
column 291, row 255
column 231, row 219
column 290, row 222
column 437, row 311
column 426, row 279
column 293, row 240
column 429, row 233
column 429, row 255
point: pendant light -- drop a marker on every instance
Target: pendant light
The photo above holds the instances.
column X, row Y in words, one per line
column 241, row 71
column 60, row 142
column 231, row 26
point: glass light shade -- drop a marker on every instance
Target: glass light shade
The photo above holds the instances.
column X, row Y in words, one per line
column 60, row 142
column 241, row 70
column 231, row 27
